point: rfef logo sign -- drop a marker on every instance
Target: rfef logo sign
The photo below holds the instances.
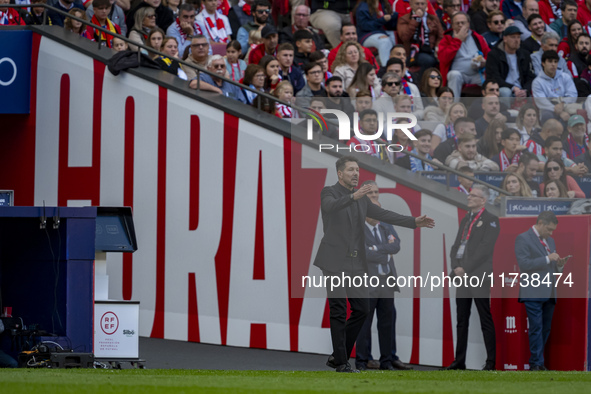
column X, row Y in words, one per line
column 109, row 323
column 15, row 71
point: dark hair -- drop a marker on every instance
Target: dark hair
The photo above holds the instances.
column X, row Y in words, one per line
column 569, row 37
column 424, row 84
column 489, row 138
column 310, row 66
column 561, row 164
column 531, row 18
column 463, row 119
column 340, row 164
column 233, row 44
column 332, row 79
column 583, row 35
column 563, row 192
column 507, row 133
column 550, row 55
column 550, row 140
column 303, row 34
column 366, row 112
column 466, row 170
column 182, row 7
column 422, row 133
column 346, row 25
column 524, row 108
column 250, row 72
column 394, row 60
column 286, row 46
column 487, row 82
column 101, row 3
column 261, row 3
column 527, row 157
column 315, row 56
column 565, row 3
column 444, row 89
column 264, row 103
column 547, row 217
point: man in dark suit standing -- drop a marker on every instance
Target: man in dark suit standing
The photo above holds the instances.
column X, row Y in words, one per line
column 342, row 252
column 472, row 256
column 381, row 244
column 536, row 254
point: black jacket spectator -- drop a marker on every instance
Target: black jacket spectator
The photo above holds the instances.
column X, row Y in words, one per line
column 497, row 67
column 585, row 159
column 58, row 19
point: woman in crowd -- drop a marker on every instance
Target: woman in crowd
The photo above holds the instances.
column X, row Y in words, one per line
column 155, row 40
column 254, row 77
column 490, row 143
column 271, row 67
column 516, row 185
column 375, row 27
column 555, row 189
column 349, row 57
column 145, row 20
column 169, row 63
column 284, row 92
column 437, row 111
column 234, row 64
column 446, row 130
column 554, row 171
column 528, row 121
column 365, row 79
column 430, row 85
column 567, row 45
column 77, row 27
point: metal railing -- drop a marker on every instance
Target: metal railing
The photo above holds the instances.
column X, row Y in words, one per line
column 152, row 50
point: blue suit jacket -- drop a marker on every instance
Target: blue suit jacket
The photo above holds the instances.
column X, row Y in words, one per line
column 385, row 248
column 531, row 257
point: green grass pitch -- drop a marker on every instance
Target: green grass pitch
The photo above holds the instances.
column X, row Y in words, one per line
column 80, row 381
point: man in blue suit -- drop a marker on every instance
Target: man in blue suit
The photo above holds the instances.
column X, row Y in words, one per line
column 381, row 244
column 536, row 254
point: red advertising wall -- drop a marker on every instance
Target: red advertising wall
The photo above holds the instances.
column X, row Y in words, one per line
column 226, row 212
column 567, row 344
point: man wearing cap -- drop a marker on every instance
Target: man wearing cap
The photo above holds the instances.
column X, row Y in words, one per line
column 304, row 42
column 553, row 89
column 576, row 144
column 268, row 47
column 510, row 66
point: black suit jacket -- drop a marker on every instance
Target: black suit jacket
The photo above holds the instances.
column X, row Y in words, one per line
column 497, row 68
column 478, row 256
column 338, row 224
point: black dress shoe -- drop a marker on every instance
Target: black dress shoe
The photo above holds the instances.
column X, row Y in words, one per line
column 373, row 364
column 397, row 364
column 538, row 368
column 361, row 366
column 346, row 368
column 330, row 362
column 455, row 366
column 387, row 367
column 489, row 366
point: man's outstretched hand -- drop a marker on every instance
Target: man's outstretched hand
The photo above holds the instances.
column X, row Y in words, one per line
column 424, row 221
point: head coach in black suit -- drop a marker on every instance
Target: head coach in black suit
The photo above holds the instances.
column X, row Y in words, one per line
column 342, row 252
column 472, row 256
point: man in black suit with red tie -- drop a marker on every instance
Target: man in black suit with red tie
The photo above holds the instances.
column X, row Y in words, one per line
column 342, row 252
column 472, row 256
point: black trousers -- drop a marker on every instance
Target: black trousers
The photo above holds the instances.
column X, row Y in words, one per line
column 481, row 297
column 344, row 331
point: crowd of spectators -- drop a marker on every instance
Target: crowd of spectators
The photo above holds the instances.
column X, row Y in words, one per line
column 528, row 60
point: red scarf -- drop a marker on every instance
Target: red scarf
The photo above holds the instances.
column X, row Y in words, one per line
column 534, row 147
column 446, row 21
column 574, row 149
column 246, row 9
column 224, row 8
column 196, row 30
column 102, row 36
column 504, row 160
column 217, row 30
